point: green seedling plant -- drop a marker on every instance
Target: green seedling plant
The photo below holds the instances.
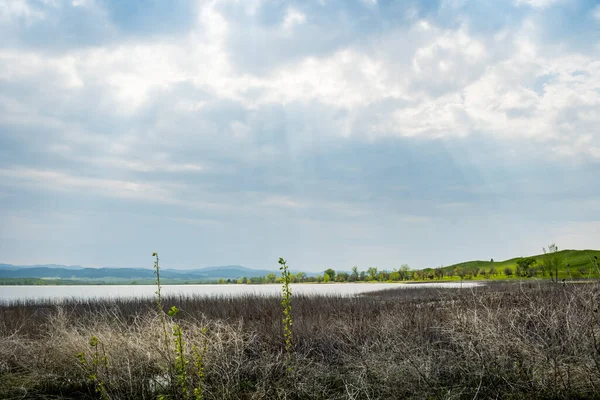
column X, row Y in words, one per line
column 199, row 364
column 287, row 312
column 179, row 367
column 99, row 361
column 159, row 305
column 181, row 362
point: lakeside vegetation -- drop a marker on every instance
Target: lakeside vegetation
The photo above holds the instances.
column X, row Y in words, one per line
column 503, row 340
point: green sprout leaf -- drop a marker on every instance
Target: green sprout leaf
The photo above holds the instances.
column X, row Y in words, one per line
column 173, row 311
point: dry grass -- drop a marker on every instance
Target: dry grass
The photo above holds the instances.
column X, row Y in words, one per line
column 499, row 341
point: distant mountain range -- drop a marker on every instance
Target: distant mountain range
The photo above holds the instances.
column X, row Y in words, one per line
column 10, row 266
column 54, row 271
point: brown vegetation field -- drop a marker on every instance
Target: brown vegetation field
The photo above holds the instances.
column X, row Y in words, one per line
column 503, row 340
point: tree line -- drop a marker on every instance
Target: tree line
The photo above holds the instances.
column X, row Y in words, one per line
column 550, row 265
column 371, row 274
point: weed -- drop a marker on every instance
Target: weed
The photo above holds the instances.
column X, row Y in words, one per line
column 199, row 364
column 159, row 305
column 98, row 363
column 181, row 362
column 286, row 304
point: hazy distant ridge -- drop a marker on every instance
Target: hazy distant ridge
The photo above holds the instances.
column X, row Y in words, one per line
column 78, row 272
column 10, row 266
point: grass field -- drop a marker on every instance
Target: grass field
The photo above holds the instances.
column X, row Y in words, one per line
column 505, row 340
column 571, row 262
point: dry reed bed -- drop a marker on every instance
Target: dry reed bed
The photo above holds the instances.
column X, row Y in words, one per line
column 504, row 340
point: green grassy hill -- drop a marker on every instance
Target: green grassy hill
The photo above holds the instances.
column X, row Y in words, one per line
column 573, row 263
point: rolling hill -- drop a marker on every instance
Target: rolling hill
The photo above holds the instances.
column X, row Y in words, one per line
column 573, row 259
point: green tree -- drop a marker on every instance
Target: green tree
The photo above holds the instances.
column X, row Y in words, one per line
column 354, row 275
column 342, row 277
column 405, row 272
column 372, row 273
column 460, row 272
column 551, row 261
column 383, row 276
column 524, row 266
column 331, row 273
column 326, row 277
column 270, row 278
column 301, row 276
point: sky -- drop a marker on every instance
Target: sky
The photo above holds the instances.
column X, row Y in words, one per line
column 332, row 133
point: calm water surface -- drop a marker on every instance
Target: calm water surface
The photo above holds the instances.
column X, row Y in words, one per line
column 8, row 293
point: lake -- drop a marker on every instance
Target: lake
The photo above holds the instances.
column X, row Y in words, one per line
column 10, row 293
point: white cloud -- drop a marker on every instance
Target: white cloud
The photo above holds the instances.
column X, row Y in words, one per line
column 131, row 71
column 346, row 79
column 563, row 111
column 180, row 196
column 22, row 65
column 152, row 164
column 292, row 19
column 61, row 181
column 448, row 48
column 11, row 10
column 294, row 128
column 82, row 3
column 538, row 3
column 420, row 81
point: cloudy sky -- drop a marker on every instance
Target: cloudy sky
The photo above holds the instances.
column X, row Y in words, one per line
column 332, row 133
